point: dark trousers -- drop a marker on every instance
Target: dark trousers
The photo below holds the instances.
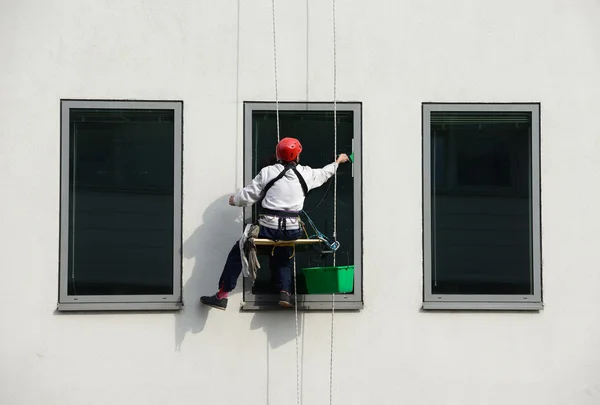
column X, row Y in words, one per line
column 280, row 263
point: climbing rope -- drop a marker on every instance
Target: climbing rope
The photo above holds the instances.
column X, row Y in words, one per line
column 275, row 66
column 298, row 394
column 331, row 245
column 334, row 132
column 334, row 201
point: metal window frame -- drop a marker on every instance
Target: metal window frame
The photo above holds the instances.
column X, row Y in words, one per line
column 311, row 302
column 432, row 301
column 120, row 302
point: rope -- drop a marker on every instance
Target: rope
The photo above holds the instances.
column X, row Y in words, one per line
column 331, row 351
column 334, row 132
column 275, row 66
column 329, row 183
column 298, row 396
column 334, row 201
column 331, row 245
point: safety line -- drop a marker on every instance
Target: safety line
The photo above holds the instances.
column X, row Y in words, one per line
column 334, row 201
column 275, row 67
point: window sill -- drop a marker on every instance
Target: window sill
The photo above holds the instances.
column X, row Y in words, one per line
column 303, row 306
column 119, row 306
column 483, row 306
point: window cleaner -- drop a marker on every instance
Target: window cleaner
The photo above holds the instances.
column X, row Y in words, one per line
column 281, row 188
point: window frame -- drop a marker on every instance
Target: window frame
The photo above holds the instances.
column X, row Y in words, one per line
column 533, row 301
column 311, row 302
column 119, row 302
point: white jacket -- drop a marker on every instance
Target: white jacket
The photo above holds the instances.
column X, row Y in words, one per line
column 286, row 194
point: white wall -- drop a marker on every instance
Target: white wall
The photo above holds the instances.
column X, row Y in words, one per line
column 214, row 55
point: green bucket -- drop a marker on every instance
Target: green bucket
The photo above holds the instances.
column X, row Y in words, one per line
column 329, row 280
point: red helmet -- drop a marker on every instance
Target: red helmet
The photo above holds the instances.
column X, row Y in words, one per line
column 288, row 149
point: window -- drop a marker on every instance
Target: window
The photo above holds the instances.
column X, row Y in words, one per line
column 312, row 124
column 120, row 226
column 481, row 194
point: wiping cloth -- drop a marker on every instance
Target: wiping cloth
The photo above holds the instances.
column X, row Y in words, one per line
column 250, row 263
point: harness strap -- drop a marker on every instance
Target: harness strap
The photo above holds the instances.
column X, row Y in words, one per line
column 280, row 213
column 290, row 166
column 279, row 177
column 301, row 179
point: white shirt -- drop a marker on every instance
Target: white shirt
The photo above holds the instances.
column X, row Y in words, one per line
column 286, row 194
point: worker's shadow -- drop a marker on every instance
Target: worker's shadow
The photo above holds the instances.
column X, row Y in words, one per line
column 279, row 325
column 208, row 246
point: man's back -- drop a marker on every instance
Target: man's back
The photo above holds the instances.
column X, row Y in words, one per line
column 286, row 194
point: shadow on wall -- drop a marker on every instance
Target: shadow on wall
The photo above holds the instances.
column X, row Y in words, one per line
column 208, row 246
column 279, row 325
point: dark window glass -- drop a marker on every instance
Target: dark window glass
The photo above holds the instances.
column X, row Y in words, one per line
column 121, row 202
column 481, row 203
column 315, row 130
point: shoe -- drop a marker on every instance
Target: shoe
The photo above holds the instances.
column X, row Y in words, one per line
column 214, row 302
column 285, row 300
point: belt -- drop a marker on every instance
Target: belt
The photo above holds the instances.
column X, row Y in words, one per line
column 281, row 214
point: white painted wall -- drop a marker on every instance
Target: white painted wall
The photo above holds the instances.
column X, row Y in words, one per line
column 214, row 55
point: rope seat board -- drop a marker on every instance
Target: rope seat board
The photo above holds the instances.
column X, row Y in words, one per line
column 269, row 242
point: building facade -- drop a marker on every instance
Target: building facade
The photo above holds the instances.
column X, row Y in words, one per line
column 469, row 212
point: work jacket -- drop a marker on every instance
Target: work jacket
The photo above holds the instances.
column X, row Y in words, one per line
column 286, row 194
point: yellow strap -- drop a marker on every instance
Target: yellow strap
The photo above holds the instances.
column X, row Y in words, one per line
column 290, row 244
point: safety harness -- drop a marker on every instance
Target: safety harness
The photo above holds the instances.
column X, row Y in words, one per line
column 280, row 213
